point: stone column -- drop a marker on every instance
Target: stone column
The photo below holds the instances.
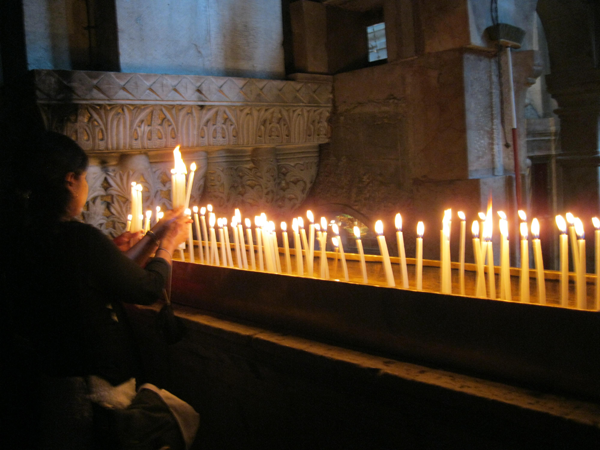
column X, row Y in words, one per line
column 309, row 29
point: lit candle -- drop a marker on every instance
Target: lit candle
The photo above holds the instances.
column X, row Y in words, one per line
column 258, row 230
column 319, row 236
column 461, row 250
column 190, row 183
column 286, row 248
column 487, row 236
column 505, row 263
column 361, row 254
column 267, row 244
column 128, row 227
column 336, row 230
column 304, row 239
column 147, row 222
column 197, row 225
column 238, row 217
column 401, row 251
column 574, row 248
column 214, row 254
column 564, row 260
column 539, row 263
column 420, row 233
column 188, row 213
column 178, row 180
column 236, row 243
column 136, row 208
column 581, row 269
column 387, row 265
column 524, row 263
column 596, row 223
column 445, row 269
column 298, row 248
column 479, row 262
column 204, row 231
column 250, row 243
column 157, row 214
column 323, row 244
column 311, row 245
column 227, row 243
column 275, row 246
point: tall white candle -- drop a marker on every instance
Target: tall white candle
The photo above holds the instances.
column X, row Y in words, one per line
column 147, row 222
column 214, row 254
column 581, row 269
column 275, row 246
column 222, row 242
column 596, row 223
column 539, row 262
column 198, row 234
column 336, row 231
column 258, row 230
column 574, row 248
column 178, row 180
column 324, row 262
column 311, row 244
column 128, row 226
column 286, row 248
column 461, row 251
column 157, row 214
column 361, row 254
column 238, row 217
column 250, row 243
column 227, row 243
column 419, row 255
column 487, row 235
column 205, row 233
column 505, row 267
column 298, row 248
column 304, row 240
column 401, row 251
column 385, row 256
column 479, row 262
column 236, row 243
column 564, row 261
column 188, row 213
column 446, row 263
column 190, row 183
column 524, row 282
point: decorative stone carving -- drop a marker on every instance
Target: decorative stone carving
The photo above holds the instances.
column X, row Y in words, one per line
column 255, row 142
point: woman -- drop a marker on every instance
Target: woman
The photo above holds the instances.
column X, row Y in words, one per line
column 67, row 284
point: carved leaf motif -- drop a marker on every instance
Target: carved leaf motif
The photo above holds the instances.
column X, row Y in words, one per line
column 95, row 213
column 119, row 209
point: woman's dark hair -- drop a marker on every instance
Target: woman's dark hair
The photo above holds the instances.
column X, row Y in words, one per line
column 37, row 183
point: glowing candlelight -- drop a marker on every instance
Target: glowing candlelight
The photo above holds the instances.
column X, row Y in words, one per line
column 336, row 230
column 298, row 248
column 190, row 183
column 286, row 248
column 250, row 243
column 236, row 243
column 238, row 219
column 596, row 223
column 198, row 234
column 387, row 265
column 564, row 260
column 574, row 248
column 461, row 254
column 275, row 246
column 401, row 251
column 445, row 269
column 227, row 243
column 222, row 241
column 205, row 233
column 136, row 208
column 479, row 262
column 128, row 227
column 505, row 292
column 157, row 214
column 214, row 254
column 581, row 269
column 524, row 263
column 188, row 213
column 419, row 255
column 311, row 245
column 539, row 263
column 178, row 180
column 304, row 239
column 487, row 236
column 258, row 229
column 361, row 254
column 147, row 222
column 323, row 245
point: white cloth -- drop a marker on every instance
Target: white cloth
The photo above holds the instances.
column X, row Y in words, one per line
column 105, row 394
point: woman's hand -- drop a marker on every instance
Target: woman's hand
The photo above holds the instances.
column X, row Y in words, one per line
column 172, row 230
column 127, row 240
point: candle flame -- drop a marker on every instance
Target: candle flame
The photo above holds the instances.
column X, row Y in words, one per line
column 160, row 215
column 487, row 230
column 129, row 217
column 257, row 221
column 220, row 222
column 195, row 209
column 335, row 229
column 502, row 215
column 570, row 218
column 263, row 218
column 310, row 216
column 179, row 164
column 522, row 215
column 357, row 232
column 481, row 215
column 238, row 215
column 317, row 227
column 448, row 214
column 233, row 222
column 209, row 207
column 187, row 212
column 284, row 226
column 300, row 222
column 324, row 223
column 148, row 214
column 379, row 227
column 398, row 221
column 271, row 226
column 248, row 223
column 504, row 228
column 211, row 220
column 193, row 167
column 420, row 229
column 461, row 215
column 141, row 217
column 224, row 221
column 334, row 240
column 203, row 210
column 295, row 225
column 524, row 232
column 475, row 229
column 139, row 187
column 579, row 228
column 535, row 228
column 596, row 223
column 561, row 224
column 446, row 228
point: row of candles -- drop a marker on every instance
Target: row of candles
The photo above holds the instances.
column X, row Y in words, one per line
column 267, row 251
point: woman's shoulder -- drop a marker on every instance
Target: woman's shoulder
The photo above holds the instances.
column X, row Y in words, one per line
column 80, row 230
